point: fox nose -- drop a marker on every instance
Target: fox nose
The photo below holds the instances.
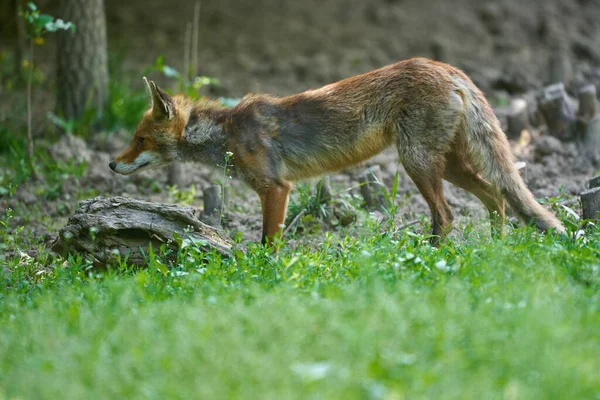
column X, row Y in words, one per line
column 112, row 165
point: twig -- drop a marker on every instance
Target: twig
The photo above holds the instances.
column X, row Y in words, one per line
column 409, row 223
column 195, row 34
column 34, row 174
column 186, row 52
column 296, row 218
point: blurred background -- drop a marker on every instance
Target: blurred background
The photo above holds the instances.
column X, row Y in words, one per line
column 283, row 46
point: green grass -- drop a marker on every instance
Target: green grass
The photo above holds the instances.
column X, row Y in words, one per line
column 373, row 316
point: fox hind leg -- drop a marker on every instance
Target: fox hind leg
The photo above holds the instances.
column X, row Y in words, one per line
column 429, row 182
column 460, row 173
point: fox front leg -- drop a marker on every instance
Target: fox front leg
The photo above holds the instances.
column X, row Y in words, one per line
column 274, row 203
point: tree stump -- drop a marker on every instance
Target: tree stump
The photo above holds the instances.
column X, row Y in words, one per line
column 177, row 175
column 587, row 102
column 212, row 204
column 554, row 106
column 560, row 69
column 594, row 182
column 590, row 203
column 518, row 118
column 370, row 188
column 589, row 139
column 108, row 228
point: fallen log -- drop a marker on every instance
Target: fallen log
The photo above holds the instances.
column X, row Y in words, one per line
column 108, row 228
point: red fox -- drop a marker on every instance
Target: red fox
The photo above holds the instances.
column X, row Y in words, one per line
column 440, row 122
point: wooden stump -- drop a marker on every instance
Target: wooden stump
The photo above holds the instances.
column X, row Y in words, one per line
column 177, row 175
column 518, row 118
column 594, row 182
column 371, row 186
column 587, row 102
column 212, row 204
column 589, row 139
column 590, row 203
column 554, row 106
column 560, row 69
column 108, row 228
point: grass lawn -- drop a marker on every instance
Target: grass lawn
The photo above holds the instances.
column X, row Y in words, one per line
column 373, row 316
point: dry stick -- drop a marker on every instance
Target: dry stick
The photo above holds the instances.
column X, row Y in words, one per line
column 186, row 51
column 34, row 174
column 296, row 218
column 195, row 33
column 408, row 224
column 20, row 44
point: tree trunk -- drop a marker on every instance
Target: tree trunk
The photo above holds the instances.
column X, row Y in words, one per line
column 82, row 73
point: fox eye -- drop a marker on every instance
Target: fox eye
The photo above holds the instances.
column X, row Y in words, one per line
column 141, row 140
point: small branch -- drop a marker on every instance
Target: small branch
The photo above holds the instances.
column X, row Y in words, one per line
column 408, row 224
column 34, row 174
column 186, row 52
column 296, row 219
column 195, row 34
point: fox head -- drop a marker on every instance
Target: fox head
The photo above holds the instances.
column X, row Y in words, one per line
column 156, row 138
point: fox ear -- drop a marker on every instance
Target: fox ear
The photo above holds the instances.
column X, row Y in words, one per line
column 162, row 103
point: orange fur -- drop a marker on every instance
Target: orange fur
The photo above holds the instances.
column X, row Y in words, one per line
column 437, row 118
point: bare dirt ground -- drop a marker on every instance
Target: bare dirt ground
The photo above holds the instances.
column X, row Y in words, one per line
column 288, row 46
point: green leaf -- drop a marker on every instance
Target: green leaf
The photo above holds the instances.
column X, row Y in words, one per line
column 43, row 20
column 32, row 6
column 177, row 238
column 161, row 267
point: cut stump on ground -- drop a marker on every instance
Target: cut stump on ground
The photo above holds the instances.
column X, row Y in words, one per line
column 213, row 201
column 108, row 228
column 590, row 203
column 553, row 104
